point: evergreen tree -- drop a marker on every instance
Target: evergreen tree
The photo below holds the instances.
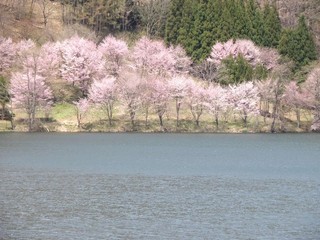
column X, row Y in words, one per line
column 298, row 44
column 226, row 27
column 306, row 45
column 254, row 22
column 235, row 70
column 198, row 24
column 174, row 21
column 241, row 26
column 4, row 95
column 196, row 34
column 272, row 26
column 187, row 22
column 210, row 27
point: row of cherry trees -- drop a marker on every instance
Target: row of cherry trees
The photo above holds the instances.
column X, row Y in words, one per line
column 148, row 76
column 156, row 94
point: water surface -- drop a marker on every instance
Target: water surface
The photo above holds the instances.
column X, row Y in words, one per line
column 159, row 186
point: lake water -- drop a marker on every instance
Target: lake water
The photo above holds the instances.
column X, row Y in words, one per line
column 159, row 186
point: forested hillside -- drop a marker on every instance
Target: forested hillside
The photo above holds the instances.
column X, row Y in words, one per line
column 253, row 62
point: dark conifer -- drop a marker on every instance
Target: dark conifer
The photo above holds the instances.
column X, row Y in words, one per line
column 174, row 21
column 298, row 44
column 272, row 26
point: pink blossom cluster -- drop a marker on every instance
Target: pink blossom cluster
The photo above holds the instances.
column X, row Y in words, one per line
column 152, row 56
column 7, row 54
column 114, row 51
column 252, row 53
column 157, row 94
column 147, row 77
column 81, row 62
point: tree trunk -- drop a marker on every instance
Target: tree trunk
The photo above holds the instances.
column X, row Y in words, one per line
column 298, row 117
column 79, row 119
column 11, row 119
column 161, row 121
column 29, row 121
column 197, row 122
column 178, row 104
column 274, row 116
column 217, row 121
column 147, row 115
column 245, row 119
column 132, row 115
column 109, row 113
column 2, row 110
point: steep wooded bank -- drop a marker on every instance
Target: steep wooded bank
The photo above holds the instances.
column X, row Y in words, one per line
column 148, row 15
column 218, row 58
column 149, row 81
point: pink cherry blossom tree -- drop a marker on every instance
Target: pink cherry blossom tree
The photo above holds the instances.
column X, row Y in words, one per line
column 82, row 106
column 178, row 87
column 24, row 47
column 104, row 93
column 152, row 56
column 7, row 54
column 267, row 57
column 81, row 62
column 245, row 100
column 114, row 51
column 50, row 59
column 130, row 95
column 160, row 98
column 217, row 102
column 182, row 62
column 271, row 91
column 311, row 93
column 264, row 88
column 29, row 90
column 294, row 99
column 196, row 100
column 233, row 48
column 145, row 88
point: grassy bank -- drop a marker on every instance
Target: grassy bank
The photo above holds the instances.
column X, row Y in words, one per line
column 62, row 118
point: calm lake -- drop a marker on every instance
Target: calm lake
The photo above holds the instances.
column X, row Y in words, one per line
column 159, row 186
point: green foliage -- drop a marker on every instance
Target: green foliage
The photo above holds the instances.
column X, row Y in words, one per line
column 254, row 22
column 186, row 26
column 4, row 95
column 238, row 70
column 260, row 72
column 272, row 27
column 235, row 70
column 174, row 21
column 298, row 44
column 197, row 25
column 196, row 34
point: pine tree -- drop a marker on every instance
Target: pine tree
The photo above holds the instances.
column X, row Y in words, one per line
column 306, row 45
column 210, row 26
column 254, row 22
column 272, row 26
column 174, row 21
column 235, row 70
column 4, row 96
column 196, row 45
column 298, row 44
column 226, row 27
column 187, row 22
column 241, row 26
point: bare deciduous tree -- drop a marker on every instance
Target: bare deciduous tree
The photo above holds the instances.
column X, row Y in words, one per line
column 153, row 14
